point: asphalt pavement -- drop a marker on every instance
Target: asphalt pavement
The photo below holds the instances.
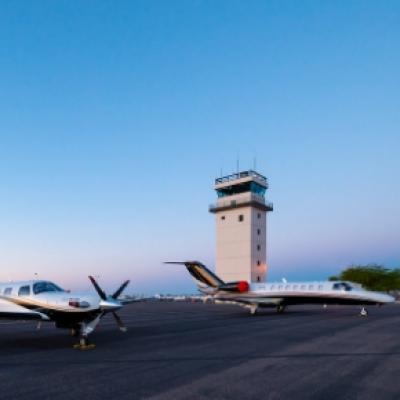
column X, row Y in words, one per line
column 179, row 350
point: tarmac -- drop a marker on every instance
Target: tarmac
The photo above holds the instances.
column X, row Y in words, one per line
column 179, row 350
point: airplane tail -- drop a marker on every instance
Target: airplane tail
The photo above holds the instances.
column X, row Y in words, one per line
column 205, row 277
column 201, row 273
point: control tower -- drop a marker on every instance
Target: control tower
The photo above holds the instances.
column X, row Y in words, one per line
column 241, row 222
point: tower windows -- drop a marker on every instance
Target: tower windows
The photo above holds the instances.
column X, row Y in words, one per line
column 258, row 279
column 258, row 247
column 223, row 217
column 258, row 263
column 241, row 218
column 258, row 215
column 258, row 231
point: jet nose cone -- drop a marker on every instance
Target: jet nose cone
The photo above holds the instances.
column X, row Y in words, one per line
column 110, row 304
column 389, row 299
column 386, row 298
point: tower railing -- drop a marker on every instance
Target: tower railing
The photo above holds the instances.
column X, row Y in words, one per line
column 239, row 175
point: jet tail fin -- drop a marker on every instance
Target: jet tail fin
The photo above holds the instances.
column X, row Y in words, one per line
column 200, row 272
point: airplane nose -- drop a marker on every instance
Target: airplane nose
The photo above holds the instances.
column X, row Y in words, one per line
column 110, row 304
column 386, row 298
column 390, row 299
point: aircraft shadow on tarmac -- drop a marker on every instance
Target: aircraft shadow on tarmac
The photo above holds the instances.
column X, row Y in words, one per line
column 51, row 341
column 105, row 337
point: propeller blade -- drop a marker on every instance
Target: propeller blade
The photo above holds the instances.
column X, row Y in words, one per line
column 98, row 288
column 120, row 290
column 119, row 322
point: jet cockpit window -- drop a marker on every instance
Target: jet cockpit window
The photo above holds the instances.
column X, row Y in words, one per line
column 346, row 286
column 342, row 286
column 41, row 287
column 24, row 291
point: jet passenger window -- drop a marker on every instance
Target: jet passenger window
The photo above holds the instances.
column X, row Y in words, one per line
column 24, row 291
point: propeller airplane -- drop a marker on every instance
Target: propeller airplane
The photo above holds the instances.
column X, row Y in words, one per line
column 44, row 301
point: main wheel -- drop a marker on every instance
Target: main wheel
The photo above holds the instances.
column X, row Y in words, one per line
column 280, row 309
column 253, row 310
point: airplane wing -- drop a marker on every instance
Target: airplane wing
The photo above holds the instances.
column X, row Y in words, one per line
column 9, row 310
column 128, row 301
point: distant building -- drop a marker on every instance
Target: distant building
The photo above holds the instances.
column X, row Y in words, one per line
column 241, row 223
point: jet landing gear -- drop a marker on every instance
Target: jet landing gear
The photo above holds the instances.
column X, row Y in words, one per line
column 280, row 309
column 253, row 309
column 363, row 312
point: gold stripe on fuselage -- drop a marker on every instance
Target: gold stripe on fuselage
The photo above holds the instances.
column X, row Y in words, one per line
column 23, row 302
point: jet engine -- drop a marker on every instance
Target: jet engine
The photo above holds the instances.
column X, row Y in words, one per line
column 237, row 287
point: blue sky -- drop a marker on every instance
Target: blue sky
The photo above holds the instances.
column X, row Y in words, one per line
column 117, row 116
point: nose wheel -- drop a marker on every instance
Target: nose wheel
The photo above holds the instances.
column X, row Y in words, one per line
column 84, row 344
column 84, row 330
column 363, row 312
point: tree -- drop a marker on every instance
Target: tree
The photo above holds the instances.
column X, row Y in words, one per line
column 371, row 276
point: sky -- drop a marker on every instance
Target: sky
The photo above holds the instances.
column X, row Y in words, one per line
column 116, row 117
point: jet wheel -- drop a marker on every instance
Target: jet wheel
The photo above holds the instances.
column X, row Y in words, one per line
column 280, row 309
column 363, row 312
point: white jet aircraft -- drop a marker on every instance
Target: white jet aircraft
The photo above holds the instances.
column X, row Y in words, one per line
column 282, row 294
column 45, row 301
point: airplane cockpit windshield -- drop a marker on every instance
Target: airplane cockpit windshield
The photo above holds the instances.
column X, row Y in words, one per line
column 44, row 287
column 342, row 286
